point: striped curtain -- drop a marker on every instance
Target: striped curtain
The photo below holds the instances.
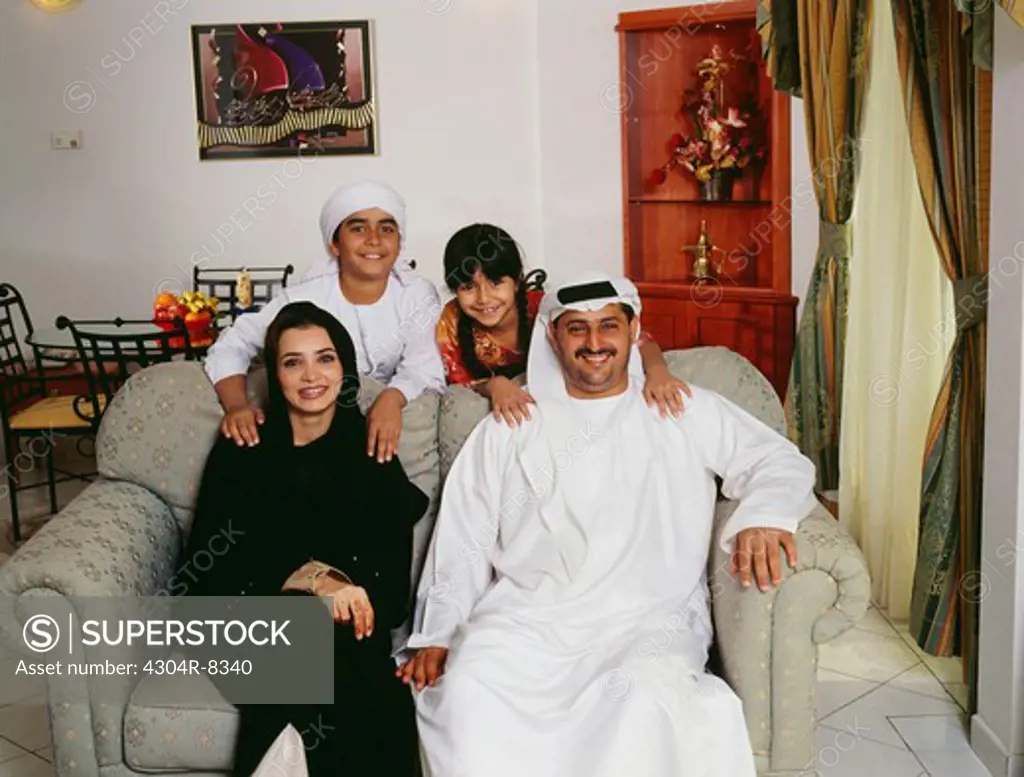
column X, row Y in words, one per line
column 948, row 101
column 820, row 50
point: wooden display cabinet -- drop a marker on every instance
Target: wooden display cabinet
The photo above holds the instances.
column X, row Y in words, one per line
column 748, row 304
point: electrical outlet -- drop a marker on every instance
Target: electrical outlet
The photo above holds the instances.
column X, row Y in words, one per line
column 66, row 140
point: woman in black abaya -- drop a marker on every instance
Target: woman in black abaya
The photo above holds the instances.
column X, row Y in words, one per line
column 321, row 517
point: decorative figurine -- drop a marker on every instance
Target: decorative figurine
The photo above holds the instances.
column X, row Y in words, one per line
column 243, row 290
column 704, row 250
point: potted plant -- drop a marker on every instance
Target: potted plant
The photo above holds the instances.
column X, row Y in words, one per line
column 726, row 138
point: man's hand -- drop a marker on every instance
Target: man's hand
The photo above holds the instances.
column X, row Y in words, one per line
column 757, row 554
column 424, row 668
column 663, row 388
column 240, row 424
column 384, row 425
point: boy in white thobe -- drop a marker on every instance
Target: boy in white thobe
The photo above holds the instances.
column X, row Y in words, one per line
column 564, row 545
column 390, row 312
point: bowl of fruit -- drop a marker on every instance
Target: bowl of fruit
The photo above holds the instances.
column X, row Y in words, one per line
column 196, row 310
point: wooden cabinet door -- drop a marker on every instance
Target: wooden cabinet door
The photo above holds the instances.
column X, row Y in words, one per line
column 742, row 327
column 761, row 331
column 667, row 322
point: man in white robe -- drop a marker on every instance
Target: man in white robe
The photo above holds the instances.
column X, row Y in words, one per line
column 565, row 545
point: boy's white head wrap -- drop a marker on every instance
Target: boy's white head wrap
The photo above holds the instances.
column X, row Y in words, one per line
column 352, row 198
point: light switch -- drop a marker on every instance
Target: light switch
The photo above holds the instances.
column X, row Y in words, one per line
column 66, row 139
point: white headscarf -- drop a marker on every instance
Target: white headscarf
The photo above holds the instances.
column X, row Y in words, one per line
column 352, row 198
column 539, row 446
column 544, row 374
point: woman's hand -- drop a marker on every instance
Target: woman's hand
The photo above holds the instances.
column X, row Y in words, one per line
column 351, row 604
column 241, row 424
column 508, row 401
column 384, row 425
column 424, row 668
column 665, row 389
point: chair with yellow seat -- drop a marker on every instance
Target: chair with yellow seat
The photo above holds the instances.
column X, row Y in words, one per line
column 33, row 416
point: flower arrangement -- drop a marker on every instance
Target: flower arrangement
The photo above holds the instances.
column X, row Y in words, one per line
column 727, row 139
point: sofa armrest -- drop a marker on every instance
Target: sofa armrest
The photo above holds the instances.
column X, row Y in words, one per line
column 768, row 641
column 116, row 539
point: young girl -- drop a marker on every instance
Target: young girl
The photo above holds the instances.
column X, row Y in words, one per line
column 484, row 332
column 318, row 517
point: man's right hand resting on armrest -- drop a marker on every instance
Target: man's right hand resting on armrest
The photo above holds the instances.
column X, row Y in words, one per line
column 424, row 668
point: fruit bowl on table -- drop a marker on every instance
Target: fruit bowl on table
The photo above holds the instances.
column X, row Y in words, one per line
column 200, row 331
column 197, row 311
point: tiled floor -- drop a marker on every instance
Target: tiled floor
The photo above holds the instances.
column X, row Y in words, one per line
column 884, row 708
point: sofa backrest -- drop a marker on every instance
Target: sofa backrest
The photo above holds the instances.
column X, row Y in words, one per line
column 717, row 369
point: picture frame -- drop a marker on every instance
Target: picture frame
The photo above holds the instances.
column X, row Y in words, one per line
column 280, row 89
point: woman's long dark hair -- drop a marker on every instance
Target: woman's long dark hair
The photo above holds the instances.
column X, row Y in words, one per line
column 302, row 315
column 491, row 250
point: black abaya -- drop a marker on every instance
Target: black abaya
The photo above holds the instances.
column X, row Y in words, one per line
column 330, row 502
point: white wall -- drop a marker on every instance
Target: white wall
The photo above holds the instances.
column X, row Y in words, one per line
column 998, row 727
column 493, row 109
column 580, row 137
column 90, row 232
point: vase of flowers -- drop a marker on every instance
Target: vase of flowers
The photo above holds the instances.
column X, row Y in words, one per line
column 726, row 139
column 717, row 189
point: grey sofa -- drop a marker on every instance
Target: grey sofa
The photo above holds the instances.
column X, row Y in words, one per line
column 123, row 536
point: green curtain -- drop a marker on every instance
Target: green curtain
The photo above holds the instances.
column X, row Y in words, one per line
column 820, row 51
column 948, row 101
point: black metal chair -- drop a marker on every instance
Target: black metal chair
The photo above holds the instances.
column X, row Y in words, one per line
column 111, row 358
column 30, row 410
column 222, row 283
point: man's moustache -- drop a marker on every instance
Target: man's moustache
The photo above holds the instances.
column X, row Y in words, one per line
column 587, row 352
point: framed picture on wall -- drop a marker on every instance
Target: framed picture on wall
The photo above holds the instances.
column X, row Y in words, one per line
column 277, row 89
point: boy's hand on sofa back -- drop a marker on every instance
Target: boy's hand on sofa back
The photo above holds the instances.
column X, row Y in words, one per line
column 384, row 425
column 242, row 425
column 241, row 418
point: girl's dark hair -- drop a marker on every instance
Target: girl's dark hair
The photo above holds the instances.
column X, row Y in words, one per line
column 492, row 251
column 302, row 315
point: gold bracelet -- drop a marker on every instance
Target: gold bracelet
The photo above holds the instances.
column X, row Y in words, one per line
column 315, row 575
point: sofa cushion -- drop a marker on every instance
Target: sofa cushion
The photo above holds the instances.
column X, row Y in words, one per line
column 714, row 368
column 160, row 427
column 179, row 724
column 461, row 410
column 158, row 431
